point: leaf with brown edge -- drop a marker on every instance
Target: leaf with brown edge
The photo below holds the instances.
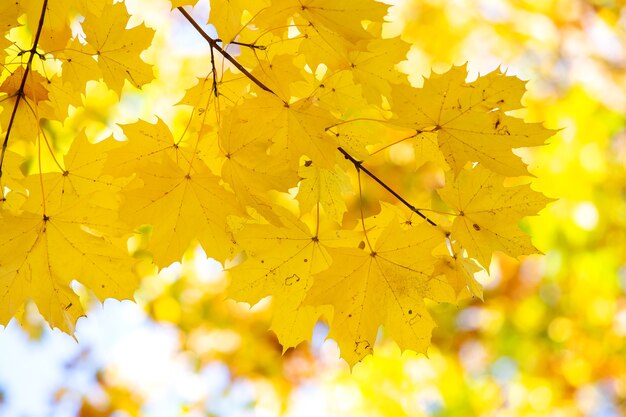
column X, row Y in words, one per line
column 32, row 104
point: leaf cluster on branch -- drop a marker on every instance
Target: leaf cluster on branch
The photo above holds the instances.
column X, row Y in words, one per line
column 300, row 101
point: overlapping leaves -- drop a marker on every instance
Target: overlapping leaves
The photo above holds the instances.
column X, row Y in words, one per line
column 270, row 170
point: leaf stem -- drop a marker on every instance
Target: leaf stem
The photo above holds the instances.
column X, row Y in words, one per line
column 20, row 91
column 396, row 142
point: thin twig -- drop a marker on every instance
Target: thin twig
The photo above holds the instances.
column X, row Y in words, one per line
column 359, row 166
column 225, row 54
column 20, row 91
column 214, row 71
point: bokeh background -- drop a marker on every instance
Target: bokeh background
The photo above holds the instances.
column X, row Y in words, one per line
column 548, row 339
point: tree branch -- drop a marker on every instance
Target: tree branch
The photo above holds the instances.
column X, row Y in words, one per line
column 221, row 50
column 20, row 91
column 357, row 164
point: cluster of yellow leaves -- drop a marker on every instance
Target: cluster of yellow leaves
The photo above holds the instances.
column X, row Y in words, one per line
column 279, row 135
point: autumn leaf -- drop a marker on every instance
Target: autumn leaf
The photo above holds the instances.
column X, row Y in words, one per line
column 487, row 213
column 23, row 97
column 226, row 16
column 470, row 119
column 459, row 271
column 342, row 20
column 189, row 197
column 326, row 187
column 281, row 262
column 116, row 48
column 56, row 238
column 248, row 168
column 56, row 31
column 384, row 285
column 296, row 129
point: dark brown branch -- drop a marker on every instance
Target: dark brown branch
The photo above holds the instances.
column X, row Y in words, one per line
column 359, row 166
column 221, row 50
column 20, row 91
column 214, row 71
column 249, row 45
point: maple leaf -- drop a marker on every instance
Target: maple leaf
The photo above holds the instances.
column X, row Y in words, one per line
column 148, row 142
column 116, row 47
column 325, row 187
column 296, row 129
column 469, row 119
column 57, row 237
column 226, row 16
column 374, row 68
column 188, row 196
column 248, row 167
column 487, row 213
column 23, row 103
column 341, row 19
column 459, row 271
column 280, row 262
column 385, row 285
column 55, row 23
column 9, row 12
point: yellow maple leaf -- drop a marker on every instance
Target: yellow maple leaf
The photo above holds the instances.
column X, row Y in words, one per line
column 24, row 102
column 487, row 213
column 385, row 285
column 343, row 19
column 82, row 171
column 374, row 68
column 280, row 262
column 78, row 67
column 248, row 168
column 469, row 119
column 117, row 48
column 147, row 142
column 459, row 271
column 335, row 92
column 295, row 129
column 183, row 204
column 56, row 31
column 54, row 238
column 9, row 12
column 278, row 73
column 226, row 16
column 323, row 186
